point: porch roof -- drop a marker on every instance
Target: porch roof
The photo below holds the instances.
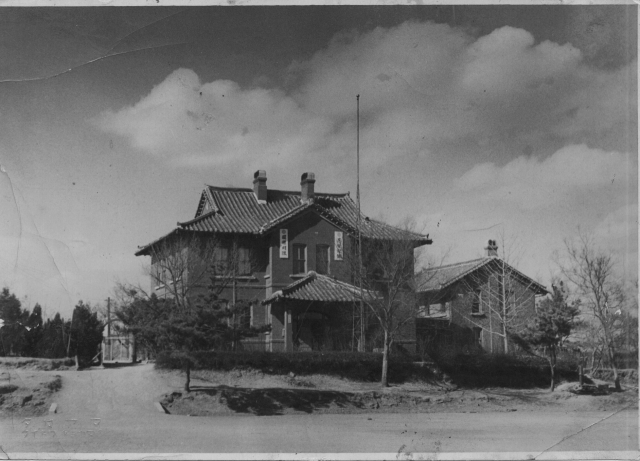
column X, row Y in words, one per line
column 318, row 287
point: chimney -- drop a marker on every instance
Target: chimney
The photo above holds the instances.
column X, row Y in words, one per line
column 260, row 185
column 492, row 249
column 307, row 182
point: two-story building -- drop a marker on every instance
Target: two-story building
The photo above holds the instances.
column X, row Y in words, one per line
column 293, row 259
column 474, row 305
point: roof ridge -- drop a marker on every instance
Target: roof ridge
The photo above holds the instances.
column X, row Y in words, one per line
column 197, row 218
column 309, row 277
column 460, row 263
column 292, row 192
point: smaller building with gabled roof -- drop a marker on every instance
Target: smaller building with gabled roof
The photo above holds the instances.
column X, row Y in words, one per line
column 474, row 305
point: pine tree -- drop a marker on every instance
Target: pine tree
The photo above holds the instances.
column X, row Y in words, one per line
column 34, row 333
column 11, row 330
column 86, row 333
column 180, row 329
column 553, row 322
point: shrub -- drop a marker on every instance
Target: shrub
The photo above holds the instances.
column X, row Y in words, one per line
column 359, row 366
column 55, row 384
column 484, row 370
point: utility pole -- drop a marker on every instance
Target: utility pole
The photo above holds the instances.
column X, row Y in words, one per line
column 108, row 329
column 361, row 344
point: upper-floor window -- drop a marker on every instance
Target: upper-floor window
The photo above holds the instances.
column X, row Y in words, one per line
column 244, row 261
column 439, row 308
column 221, row 260
column 322, row 259
column 476, row 302
column 299, row 259
column 229, row 262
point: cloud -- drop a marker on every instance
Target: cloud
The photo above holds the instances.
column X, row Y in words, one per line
column 532, row 182
column 618, row 233
column 424, row 87
column 194, row 123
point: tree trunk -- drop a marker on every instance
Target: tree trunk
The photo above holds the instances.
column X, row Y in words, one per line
column 385, row 361
column 616, row 378
column 504, row 310
column 552, row 365
column 581, row 372
column 188, row 381
column 611, row 354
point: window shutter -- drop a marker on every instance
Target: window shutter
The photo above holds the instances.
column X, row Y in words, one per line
column 284, row 243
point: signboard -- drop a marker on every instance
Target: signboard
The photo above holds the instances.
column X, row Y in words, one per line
column 338, row 246
column 284, row 243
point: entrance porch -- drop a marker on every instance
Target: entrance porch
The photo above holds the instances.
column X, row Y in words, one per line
column 315, row 313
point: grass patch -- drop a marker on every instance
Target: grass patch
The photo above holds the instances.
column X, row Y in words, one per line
column 36, row 363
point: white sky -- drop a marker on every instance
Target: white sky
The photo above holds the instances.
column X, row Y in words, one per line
column 475, row 121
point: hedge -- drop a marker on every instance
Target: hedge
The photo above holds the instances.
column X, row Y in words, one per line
column 362, row 366
column 484, row 370
column 470, row 371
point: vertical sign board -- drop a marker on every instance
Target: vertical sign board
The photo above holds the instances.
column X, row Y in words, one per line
column 338, row 246
column 284, row 243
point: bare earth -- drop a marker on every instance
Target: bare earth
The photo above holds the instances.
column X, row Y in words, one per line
column 112, row 410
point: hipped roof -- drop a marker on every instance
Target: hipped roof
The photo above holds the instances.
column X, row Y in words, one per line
column 317, row 287
column 237, row 211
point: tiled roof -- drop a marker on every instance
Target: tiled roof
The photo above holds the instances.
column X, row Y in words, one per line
column 234, row 210
column 317, row 287
column 437, row 278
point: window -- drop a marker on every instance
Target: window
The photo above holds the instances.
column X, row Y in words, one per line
column 322, row 259
column 221, row 260
column 244, row 261
column 439, row 308
column 476, row 307
column 299, row 259
column 477, row 336
column 228, row 264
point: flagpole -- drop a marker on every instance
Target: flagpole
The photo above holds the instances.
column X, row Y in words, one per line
column 361, row 345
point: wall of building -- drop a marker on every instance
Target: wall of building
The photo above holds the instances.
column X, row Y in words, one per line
column 463, row 321
column 310, row 230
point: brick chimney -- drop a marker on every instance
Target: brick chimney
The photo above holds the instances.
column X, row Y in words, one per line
column 492, row 249
column 260, row 185
column 307, row 181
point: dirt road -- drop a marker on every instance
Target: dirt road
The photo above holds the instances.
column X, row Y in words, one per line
column 112, row 411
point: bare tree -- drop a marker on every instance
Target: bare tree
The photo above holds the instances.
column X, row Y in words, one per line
column 593, row 273
column 388, row 280
column 180, row 264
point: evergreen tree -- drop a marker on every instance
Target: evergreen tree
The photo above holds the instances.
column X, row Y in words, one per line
column 553, row 322
column 179, row 330
column 53, row 343
column 85, row 333
column 34, row 333
column 12, row 329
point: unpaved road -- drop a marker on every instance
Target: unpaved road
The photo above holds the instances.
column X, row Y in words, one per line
column 112, row 411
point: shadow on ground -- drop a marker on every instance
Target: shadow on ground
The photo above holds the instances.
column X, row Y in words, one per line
column 203, row 400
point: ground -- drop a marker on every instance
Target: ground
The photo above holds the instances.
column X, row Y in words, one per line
column 252, row 392
column 25, row 389
column 112, row 410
